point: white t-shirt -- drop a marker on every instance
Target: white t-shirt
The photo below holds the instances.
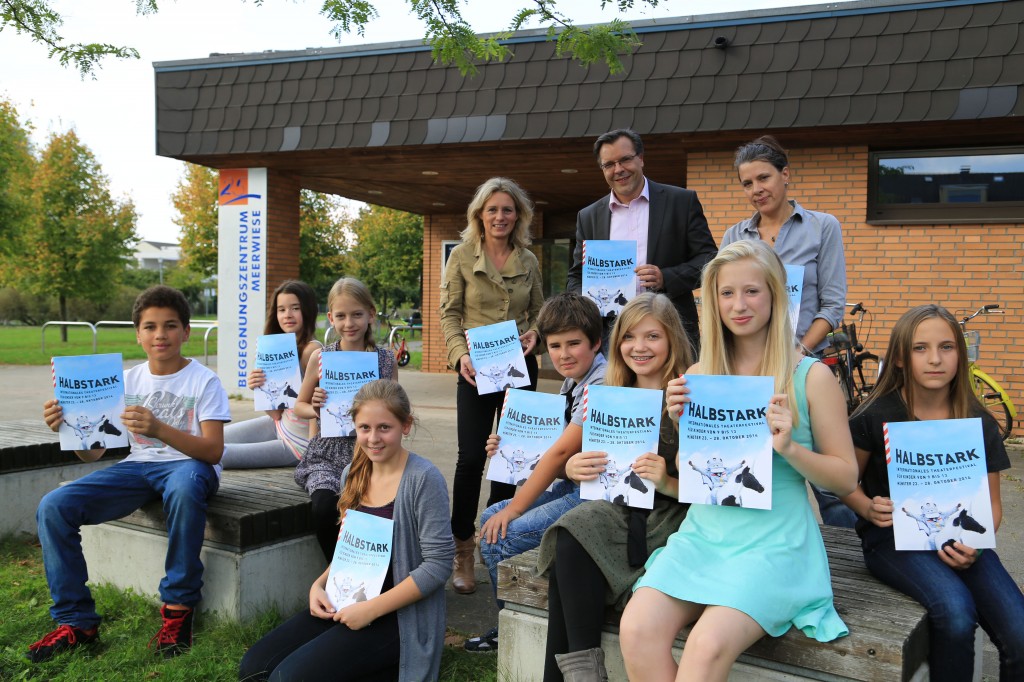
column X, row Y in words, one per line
column 181, row 400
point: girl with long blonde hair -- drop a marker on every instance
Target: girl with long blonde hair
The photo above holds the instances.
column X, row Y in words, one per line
column 352, row 313
column 728, row 570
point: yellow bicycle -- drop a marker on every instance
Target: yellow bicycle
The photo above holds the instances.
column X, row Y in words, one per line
column 988, row 390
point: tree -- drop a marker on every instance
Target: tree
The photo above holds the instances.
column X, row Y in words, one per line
column 41, row 22
column 195, row 199
column 323, row 243
column 16, row 167
column 388, row 256
column 82, row 238
column 452, row 39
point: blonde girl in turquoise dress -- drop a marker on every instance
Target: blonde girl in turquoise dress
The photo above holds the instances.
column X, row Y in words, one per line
column 736, row 573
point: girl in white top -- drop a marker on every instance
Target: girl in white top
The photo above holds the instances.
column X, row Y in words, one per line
column 280, row 437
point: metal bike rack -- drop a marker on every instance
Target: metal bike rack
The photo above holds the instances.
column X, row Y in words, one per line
column 62, row 323
column 391, row 334
column 208, row 326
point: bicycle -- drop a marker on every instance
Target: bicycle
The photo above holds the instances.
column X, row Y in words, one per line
column 988, row 390
column 396, row 342
column 855, row 369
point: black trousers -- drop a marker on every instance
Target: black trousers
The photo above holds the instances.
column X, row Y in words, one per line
column 476, row 416
column 325, row 520
column 576, row 594
column 309, row 648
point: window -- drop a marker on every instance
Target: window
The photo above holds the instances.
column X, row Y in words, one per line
column 974, row 185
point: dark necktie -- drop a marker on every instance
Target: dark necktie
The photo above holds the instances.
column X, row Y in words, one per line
column 568, row 406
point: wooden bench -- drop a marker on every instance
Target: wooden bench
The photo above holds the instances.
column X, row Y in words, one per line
column 31, row 465
column 259, row 550
column 888, row 637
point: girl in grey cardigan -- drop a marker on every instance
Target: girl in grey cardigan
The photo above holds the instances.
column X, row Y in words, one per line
column 360, row 641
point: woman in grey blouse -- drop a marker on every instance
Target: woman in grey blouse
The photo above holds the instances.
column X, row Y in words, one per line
column 799, row 237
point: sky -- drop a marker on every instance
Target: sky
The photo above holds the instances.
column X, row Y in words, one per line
column 114, row 113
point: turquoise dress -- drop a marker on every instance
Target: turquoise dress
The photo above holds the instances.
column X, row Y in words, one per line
column 769, row 564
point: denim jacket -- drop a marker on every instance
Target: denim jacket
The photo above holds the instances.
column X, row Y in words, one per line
column 474, row 293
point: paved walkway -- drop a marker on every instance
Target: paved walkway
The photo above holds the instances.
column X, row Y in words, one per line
column 433, row 399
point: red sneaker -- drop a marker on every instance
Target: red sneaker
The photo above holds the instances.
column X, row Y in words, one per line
column 64, row 638
column 175, row 635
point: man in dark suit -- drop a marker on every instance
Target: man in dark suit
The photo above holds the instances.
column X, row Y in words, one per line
column 673, row 240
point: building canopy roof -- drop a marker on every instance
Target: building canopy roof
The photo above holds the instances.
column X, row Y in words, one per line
column 386, row 125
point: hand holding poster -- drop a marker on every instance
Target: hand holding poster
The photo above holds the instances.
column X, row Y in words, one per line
column 938, row 483
column 278, row 357
column 725, row 446
column 795, row 291
column 609, row 273
column 530, row 423
column 90, row 390
column 361, row 559
column 497, row 356
column 342, row 374
column 624, row 423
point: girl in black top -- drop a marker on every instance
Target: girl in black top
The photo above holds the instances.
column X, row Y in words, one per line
column 926, row 377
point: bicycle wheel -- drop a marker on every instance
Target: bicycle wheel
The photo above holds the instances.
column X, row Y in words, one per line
column 991, row 397
column 865, row 374
column 399, row 350
column 846, row 384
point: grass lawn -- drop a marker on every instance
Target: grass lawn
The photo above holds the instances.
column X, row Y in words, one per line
column 129, row 621
column 23, row 345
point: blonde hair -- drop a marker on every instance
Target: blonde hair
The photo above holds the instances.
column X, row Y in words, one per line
column 520, row 236
column 661, row 309
column 716, row 341
column 357, row 291
column 396, row 400
column 896, row 376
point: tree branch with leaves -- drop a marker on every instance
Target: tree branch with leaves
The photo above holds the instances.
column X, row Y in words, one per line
column 452, row 39
column 38, row 20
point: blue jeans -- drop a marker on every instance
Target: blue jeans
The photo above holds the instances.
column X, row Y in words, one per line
column 833, row 511
column 108, row 494
column 957, row 602
column 526, row 532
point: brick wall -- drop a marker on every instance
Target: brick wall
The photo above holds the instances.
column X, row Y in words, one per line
column 283, row 229
column 890, row 268
column 436, row 228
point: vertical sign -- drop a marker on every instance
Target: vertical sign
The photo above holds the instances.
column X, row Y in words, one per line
column 241, row 273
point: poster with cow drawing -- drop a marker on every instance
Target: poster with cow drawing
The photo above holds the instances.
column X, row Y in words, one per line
column 90, row 390
column 361, row 559
column 609, row 273
column 497, row 356
column 725, row 447
column 795, row 292
column 530, row 423
column 624, row 423
column 278, row 357
column 939, row 484
column 342, row 374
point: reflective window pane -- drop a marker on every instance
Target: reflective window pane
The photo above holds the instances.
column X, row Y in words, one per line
column 976, row 178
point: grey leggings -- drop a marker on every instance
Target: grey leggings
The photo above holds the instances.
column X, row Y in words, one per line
column 253, row 444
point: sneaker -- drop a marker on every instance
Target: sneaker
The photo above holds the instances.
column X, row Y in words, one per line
column 485, row 643
column 175, row 635
column 64, row 638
